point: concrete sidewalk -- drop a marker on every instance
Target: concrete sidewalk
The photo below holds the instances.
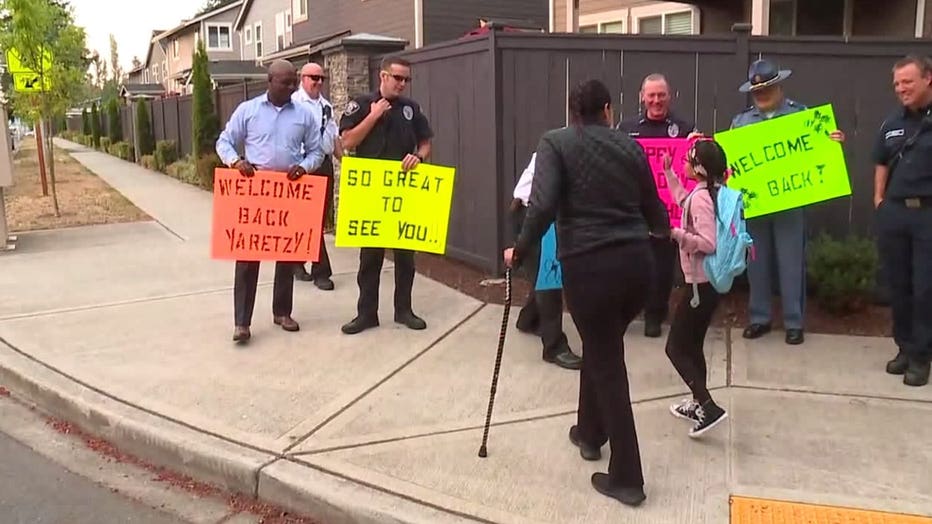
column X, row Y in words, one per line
column 126, row 330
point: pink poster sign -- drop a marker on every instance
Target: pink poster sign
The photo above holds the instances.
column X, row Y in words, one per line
column 677, row 148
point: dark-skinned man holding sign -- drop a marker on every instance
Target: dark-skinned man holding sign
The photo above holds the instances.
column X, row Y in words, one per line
column 386, row 125
column 779, row 236
column 276, row 135
column 903, row 198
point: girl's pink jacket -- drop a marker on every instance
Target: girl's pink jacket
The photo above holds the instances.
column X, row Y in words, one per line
column 696, row 236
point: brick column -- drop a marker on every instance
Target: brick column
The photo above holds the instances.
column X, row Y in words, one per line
column 347, row 65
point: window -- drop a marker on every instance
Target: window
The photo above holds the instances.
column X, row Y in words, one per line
column 299, row 10
column 616, row 26
column 613, row 27
column 258, row 35
column 678, row 23
column 176, row 49
column 219, row 37
column 279, row 31
column 651, row 25
column 782, row 17
column 674, row 23
column 248, row 35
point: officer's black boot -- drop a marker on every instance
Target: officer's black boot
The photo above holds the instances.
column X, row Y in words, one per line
column 898, row 365
column 917, row 374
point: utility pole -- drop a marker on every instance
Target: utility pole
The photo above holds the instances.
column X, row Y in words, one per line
column 6, row 178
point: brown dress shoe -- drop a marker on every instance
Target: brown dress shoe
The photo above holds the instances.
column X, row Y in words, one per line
column 241, row 334
column 287, row 323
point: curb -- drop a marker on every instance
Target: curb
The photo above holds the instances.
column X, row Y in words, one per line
column 270, row 477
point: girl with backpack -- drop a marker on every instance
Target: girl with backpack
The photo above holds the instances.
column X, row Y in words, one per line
column 706, row 163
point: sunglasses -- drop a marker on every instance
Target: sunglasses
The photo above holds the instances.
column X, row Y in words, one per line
column 401, row 78
column 316, row 78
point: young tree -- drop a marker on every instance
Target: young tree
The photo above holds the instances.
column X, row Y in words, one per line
column 85, row 122
column 136, row 62
column 95, row 125
column 116, row 71
column 144, row 128
column 39, row 30
column 115, row 124
column 206, row 127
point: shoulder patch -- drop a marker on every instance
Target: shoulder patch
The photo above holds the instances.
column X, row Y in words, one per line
column 408, row 112
column 351, row 108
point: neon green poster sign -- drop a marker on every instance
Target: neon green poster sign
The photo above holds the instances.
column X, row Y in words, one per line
column 786, row 162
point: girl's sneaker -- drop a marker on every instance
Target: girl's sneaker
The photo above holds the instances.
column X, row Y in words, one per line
column 709, row 415
column 686, row 410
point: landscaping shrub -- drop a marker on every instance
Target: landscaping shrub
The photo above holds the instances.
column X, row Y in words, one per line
column 144, row 126
column 184, row 170
column 205, row 170
column 148, row 162
column 105, row 144
column 842, row 273
column 123, row 150
column 166, row 153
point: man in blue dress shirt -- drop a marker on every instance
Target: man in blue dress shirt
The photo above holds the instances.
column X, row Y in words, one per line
column 275, row 135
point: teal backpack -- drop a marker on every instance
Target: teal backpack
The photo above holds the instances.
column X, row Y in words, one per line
column 733, row 244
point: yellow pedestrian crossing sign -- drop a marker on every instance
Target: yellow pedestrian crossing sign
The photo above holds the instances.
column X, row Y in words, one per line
column 14, row 62
column 30, row 82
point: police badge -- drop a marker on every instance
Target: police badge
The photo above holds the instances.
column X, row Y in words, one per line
column 351, row 108
column 408, row 112
column 673, row 130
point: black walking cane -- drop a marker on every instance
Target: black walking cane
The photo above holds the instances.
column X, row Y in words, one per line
column 483, row 452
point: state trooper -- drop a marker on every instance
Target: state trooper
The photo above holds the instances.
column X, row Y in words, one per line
column 309, row 95
column 386, row 125
column 779, row 236
column 658, row 121
column 903, row 200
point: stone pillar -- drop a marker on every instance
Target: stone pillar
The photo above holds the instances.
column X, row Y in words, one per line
column 347, row 64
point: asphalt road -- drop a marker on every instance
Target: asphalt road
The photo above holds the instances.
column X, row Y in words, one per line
column 34, row 490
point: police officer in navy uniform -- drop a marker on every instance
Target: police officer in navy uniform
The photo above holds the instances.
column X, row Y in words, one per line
column 903, row 199
column 388, row 126
column 658, row 121
column 780, row 236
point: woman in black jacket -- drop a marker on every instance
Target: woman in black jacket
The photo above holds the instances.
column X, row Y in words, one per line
column 596, row 182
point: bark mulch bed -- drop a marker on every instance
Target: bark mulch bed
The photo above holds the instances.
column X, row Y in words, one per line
column 875, row 320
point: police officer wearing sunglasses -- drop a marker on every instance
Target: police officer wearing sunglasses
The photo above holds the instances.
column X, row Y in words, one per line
column 310, row 96
column 388, row 126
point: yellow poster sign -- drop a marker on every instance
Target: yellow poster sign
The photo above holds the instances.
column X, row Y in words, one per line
column 382, row 206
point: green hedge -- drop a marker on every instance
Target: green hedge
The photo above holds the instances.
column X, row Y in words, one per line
column 842, row 273
column 166, row 154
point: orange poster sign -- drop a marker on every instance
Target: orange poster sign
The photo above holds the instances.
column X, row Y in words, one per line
column 267, row 216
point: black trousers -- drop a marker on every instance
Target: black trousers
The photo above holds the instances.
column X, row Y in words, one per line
column 321, row 268
column 687, row 338
column 904, row 239
column 369, row 276
column 605, row 290
column 658, row 299
column 244, row 290
column 543, row 309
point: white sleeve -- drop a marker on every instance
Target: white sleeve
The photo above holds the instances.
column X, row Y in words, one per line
column 523, row 189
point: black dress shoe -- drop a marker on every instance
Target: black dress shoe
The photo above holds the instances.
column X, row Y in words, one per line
column 917, row 374
column 899, row 364
column 241, row 334
column 566, row 359
column 586, row 451
column 756, row 331
column 652, row 329
column 359, row 324
column 410, row 320
column 629, row 496
column 324, row 283
column 301, row 274
column 794, row 337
